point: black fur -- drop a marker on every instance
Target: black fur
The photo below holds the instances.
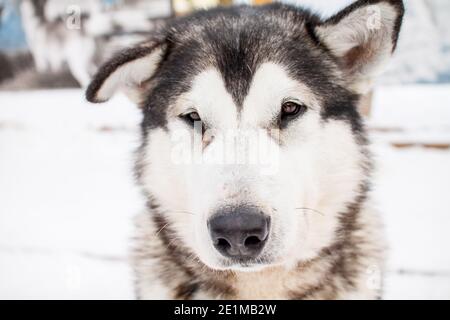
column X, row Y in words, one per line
column 236, row 41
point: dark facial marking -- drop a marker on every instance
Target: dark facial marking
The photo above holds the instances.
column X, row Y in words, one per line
column 237, row 41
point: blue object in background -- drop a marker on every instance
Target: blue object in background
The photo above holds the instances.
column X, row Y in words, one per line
column 12, row 36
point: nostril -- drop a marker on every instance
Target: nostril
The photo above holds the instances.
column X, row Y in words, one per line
column 252, row 241
column 223, row 244
column 240, row 234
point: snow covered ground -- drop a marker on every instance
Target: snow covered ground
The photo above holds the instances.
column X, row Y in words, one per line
column 67, row 197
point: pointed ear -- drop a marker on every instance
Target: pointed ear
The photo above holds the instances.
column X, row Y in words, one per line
column 362, row 37
column 127, row 71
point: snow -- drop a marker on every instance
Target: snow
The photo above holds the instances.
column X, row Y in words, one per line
column 67, row 196
column 38, row 274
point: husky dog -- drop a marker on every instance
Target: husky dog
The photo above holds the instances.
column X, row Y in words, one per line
column 74, row 35
column 303, row 230
column 53, row 45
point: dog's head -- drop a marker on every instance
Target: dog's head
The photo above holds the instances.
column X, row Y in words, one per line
column 253, row 148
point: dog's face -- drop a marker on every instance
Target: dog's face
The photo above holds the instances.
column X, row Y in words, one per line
column 252, row 145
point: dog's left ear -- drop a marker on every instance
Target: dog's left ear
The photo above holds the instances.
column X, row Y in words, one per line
column 127, row 71
column 362, row 37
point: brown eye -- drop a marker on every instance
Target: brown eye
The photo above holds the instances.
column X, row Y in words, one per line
column 194, row 116
column 290, row 109
column 191, row 117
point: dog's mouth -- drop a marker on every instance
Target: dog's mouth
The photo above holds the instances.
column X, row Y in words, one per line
column 245, row 264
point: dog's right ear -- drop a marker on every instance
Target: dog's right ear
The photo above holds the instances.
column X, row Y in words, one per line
column 127, row 71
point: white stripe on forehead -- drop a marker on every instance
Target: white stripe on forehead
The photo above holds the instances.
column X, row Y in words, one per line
column 210, row 98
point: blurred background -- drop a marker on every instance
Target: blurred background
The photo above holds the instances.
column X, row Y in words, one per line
column 67, row 197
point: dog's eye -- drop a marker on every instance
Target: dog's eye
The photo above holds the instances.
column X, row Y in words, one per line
column 290, row 109
column 191, row 117
column 194, row 116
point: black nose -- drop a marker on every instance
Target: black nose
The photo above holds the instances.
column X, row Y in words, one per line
column 239, row 232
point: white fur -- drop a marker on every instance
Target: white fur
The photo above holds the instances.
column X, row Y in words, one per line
column 319, row 168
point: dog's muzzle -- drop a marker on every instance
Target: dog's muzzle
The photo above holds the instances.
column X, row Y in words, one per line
column 239, row 232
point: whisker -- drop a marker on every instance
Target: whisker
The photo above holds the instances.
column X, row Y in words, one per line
column 188, row 212
column 313, row 210
column 161, row 229
column 182, row 211
column 174, row 238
